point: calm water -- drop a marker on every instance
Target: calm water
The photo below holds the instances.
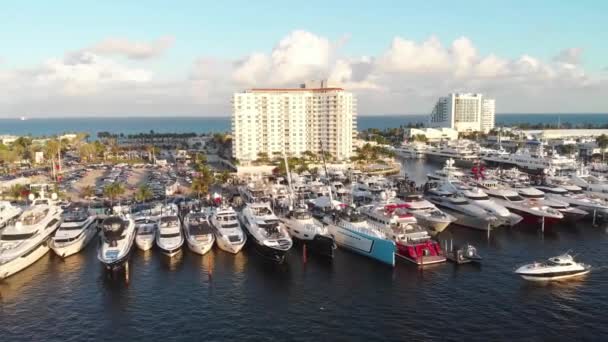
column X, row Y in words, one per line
column 225, row 297
column 131, row 125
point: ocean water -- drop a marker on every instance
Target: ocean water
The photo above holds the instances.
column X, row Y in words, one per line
column 129, row 125
column 224, row 297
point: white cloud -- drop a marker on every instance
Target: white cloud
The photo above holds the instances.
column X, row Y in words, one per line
column 133, row 49
column 569, row 56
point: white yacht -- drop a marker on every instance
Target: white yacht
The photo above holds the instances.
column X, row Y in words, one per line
column 79, row 227
column 146, row 232
column 448, row 172
column 199, row 232
column 8, row 213
column 169, row 237
column 477, row 196
column 269, row 236
column 229, row 235
column 538, row 196
column 594, row 185
column 426, row 213
column 539, row 161
column 467, row 213
column 254, row 193
column 498, row 156
column 411, row 150
column 576, row 197
column 556, row 268
column 117, row 236
column 301, row 226
column 462, row 153
column 26, row 241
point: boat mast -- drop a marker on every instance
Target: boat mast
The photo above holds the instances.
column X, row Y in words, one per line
column 331, row 198
column 291, row 195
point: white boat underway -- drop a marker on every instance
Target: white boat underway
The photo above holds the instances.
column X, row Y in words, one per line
column 79, row 227
column 556, row 268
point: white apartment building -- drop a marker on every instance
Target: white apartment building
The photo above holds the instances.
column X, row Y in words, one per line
column 464, row 113
column 313, row 117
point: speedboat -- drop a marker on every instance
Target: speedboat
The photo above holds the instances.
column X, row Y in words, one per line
column 229, row 235
column 199, row 232
column 26, row 241
column 465, row 254
column 302, row 227
column 117, row 236
column 570, row 213
column 79, row 227
column 426, row 213
column 556, row 268
column 8, row 213
column 146, row 232
column 169, row 237
column 269, row 236
column 350, row 230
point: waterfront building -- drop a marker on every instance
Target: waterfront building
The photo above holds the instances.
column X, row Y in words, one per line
column 432, row 134
column 313, row 117
column 464, row 113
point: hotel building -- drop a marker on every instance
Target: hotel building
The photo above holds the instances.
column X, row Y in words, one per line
column 464, row 113
column 313, row 117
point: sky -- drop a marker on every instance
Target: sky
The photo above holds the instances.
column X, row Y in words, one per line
column 159, row 58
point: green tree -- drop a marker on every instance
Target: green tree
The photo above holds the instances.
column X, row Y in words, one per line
column 203, row 180
column 143, row 193
column 112, row 191
column 87, row 192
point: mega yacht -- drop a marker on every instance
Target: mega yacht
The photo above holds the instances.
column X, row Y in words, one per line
column 269, row 237
column 169, row 237
column 467, row 213
column 494, row 156
column 461, row 153
column 350, row 230
column 199, row 232
column 577, row 198
column 26, row 241
column 539, row 161
column 146, row 232
column 117, row 236
column 594, row 185
column 448, row 172
column 412, row 150
column 556, row 268
column 79, row 227
column 302, row 227
column 8, row 213
column 538, row 197
column 229, row 235
column 426, row 213
column 477, row 196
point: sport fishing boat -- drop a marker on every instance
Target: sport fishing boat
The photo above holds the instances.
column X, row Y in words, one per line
column 146, row 232
column 302, row 227
column 169, row 237
column 413, row 243
column 27, row 240
column 8, row 213
column 570, row 213
column 117, row 236
column 270, row 239
column 229, row 235
column 426, row 213
column 350, row 230
column 79, row 227
column 199, row 232
column 556, row 268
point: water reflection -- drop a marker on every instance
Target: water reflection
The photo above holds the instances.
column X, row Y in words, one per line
column 25, row 281
column 173, row 263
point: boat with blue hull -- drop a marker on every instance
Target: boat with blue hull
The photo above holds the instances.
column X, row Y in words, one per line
column 350, row 230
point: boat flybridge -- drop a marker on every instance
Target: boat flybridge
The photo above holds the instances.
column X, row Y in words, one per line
column 117, row 237
column 169, row 236
column 448, row 172
column 302, row 227
column 199, row 232
column 557, row 268
column 269, row 236
column 229, row 234
column 78, row 228
column 26, row 241
column 8, row 213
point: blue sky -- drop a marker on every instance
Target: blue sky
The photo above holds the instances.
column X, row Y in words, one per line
column 33, row 32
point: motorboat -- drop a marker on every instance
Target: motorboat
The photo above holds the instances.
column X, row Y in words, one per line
column 426, row 213
column 78, row 228
column 302, row 227
column 254, row 193
column 198, row 232
column 448, row 172
column 411, row 150
column 229, row 235
column 556, row 268
column 169, row 236
column 117, row 237
column 412, row 242
column 351, row 231
column 8, row 213
column 146, row 232
column 27, row 240
column 464, row 254
column 576, row 197
column 269, row 236
column 467, row 213
column 462, row 153
column 570, row 213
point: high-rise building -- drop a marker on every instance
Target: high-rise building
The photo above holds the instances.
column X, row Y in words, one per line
column 464, row 113
column 313, row 117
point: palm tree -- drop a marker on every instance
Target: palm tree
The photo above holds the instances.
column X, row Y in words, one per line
column 16, row 191
column 87, row 192
column 113, row 191
column 602, row 143
column 223, row 177
column 143, row 193
column 53, row 148
column 151, row 153
column 202, row 182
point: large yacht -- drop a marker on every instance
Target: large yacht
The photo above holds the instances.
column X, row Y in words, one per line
column 26, row 241
column 254, row 193
column 117, row 236
column 169, row 236
column 8, row 213
column 425, row 212
column 199, row 232
column 537, row 196
column 411, row 150
column 448, row 172
column 350, row 230
column 461, row 152
column 576, row 197
column 229, row 234
column 539, row 161
column 79, row 227
column 269, row 237
column 467, row 213
column 301, row 226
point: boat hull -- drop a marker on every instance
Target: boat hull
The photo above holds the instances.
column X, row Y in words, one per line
column 269, row 253
column 405, row 252
column 227, row 246
column 554, row 276
column 373, row 247
column 66, row 250
column 200, row 248
column 144, row 244
column 20, row 263
column 320, row 245
column 434, row 226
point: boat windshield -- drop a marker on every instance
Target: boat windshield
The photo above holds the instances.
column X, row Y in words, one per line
column 230, row 225
column 171, row 235
column 16, row 237
column 514, row 198
column 539, row 196
column 226, row 218
column 301, row 215
column 575, row 191
column 261, row 211
column 168, row 221
column 479, row 198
